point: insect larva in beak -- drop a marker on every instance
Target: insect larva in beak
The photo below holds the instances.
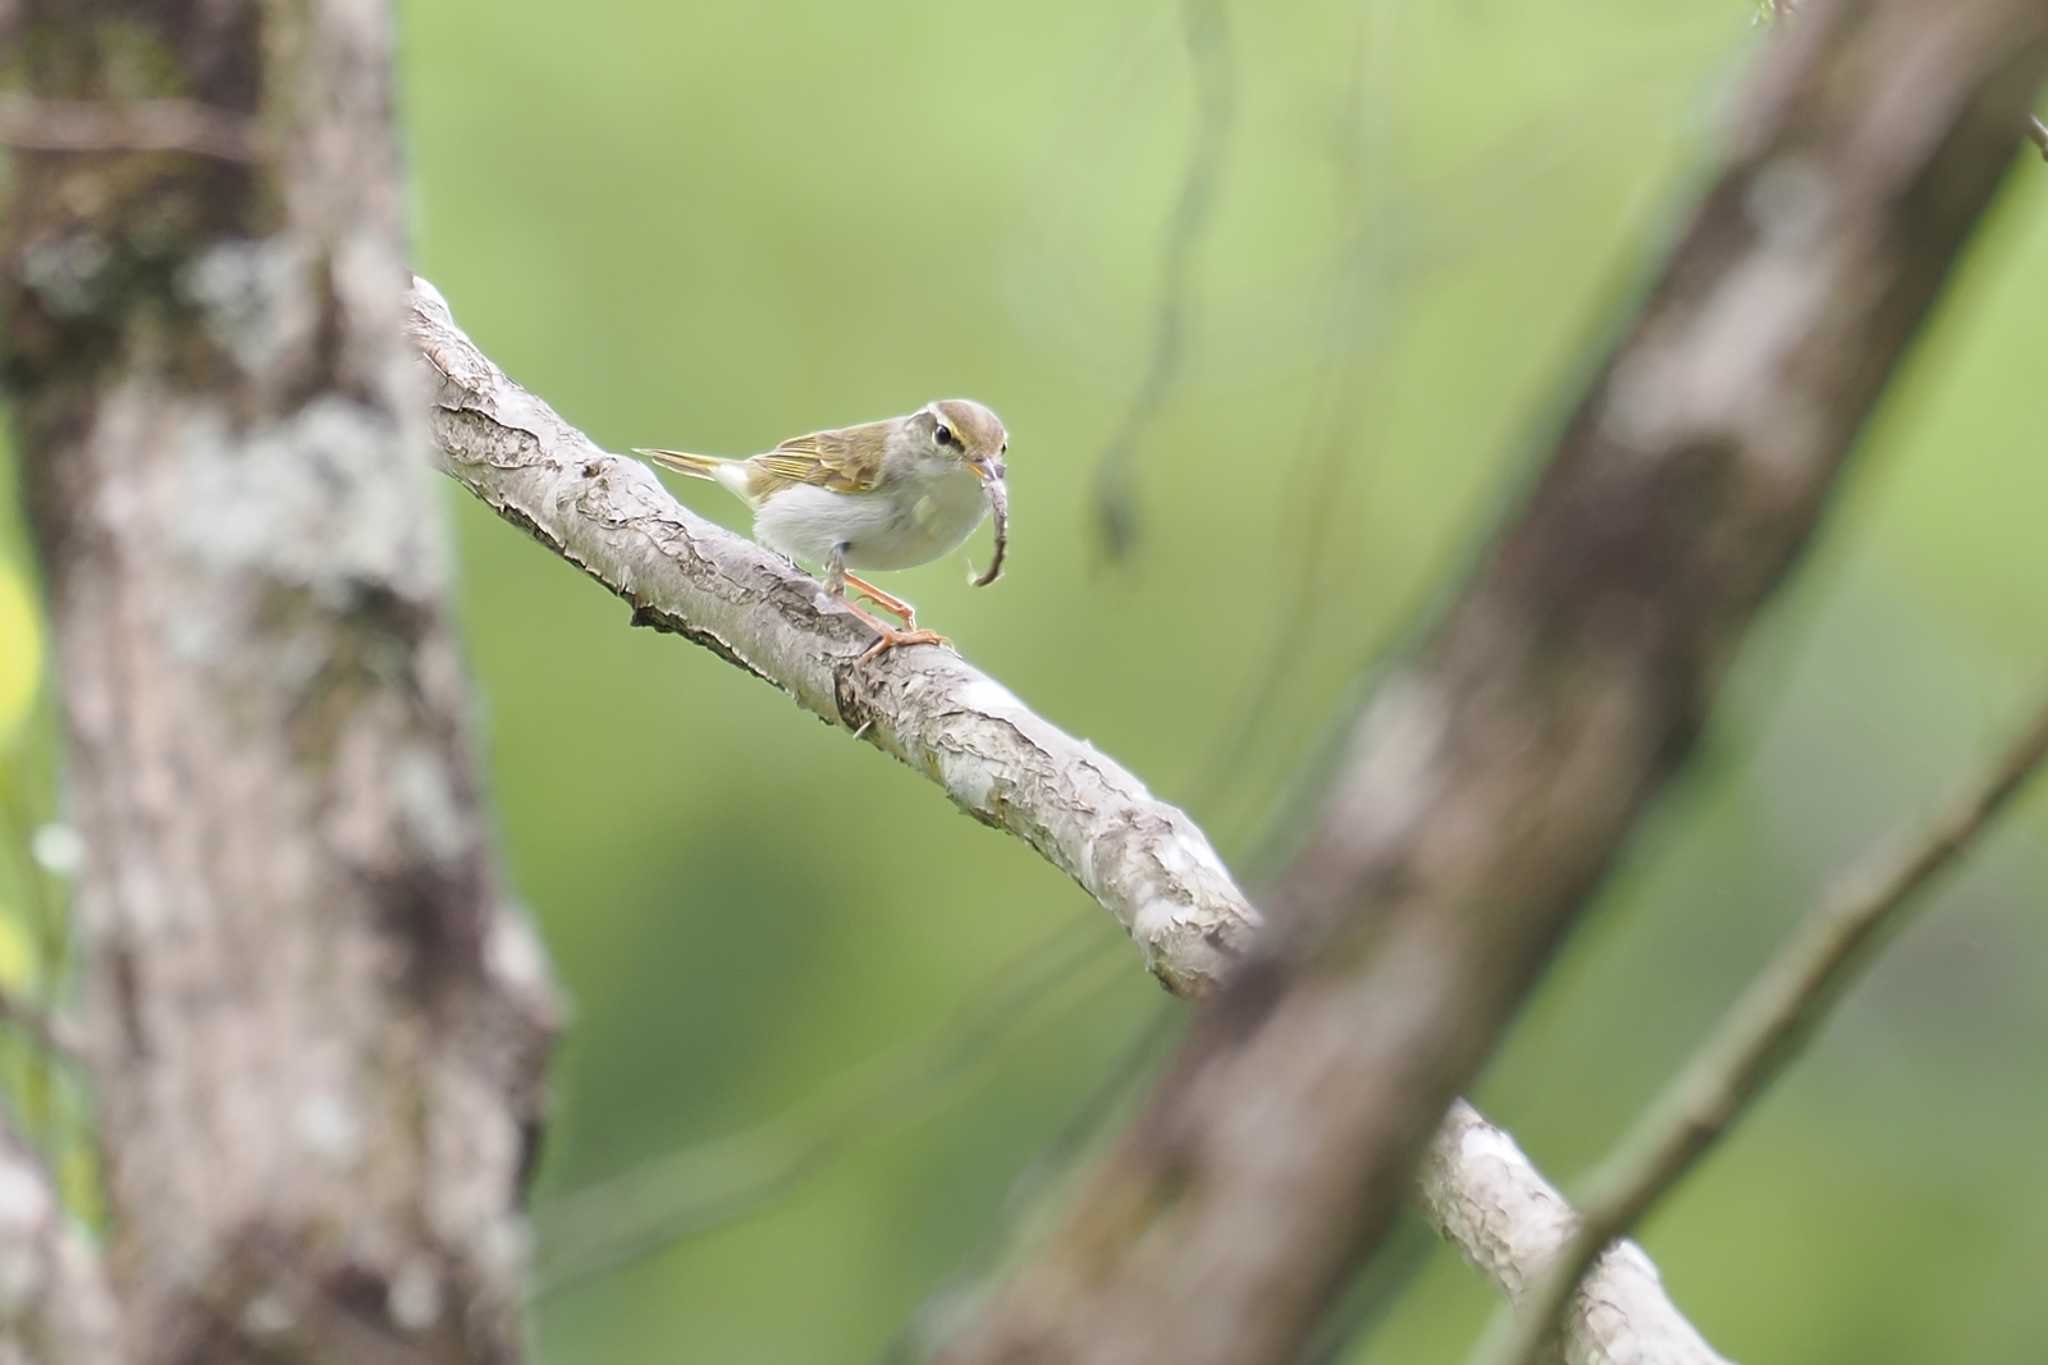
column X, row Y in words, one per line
column 999, row 503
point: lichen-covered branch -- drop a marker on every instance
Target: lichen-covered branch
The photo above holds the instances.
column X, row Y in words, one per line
column 55, row 1308
column 1145, row 861
column 1490, row 781
column 312, row 1021
column 1487, row 1199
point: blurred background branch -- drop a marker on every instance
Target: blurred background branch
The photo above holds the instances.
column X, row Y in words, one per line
column 2037, row 131
column 1491, row 781
column 686, row 1192
column 1206, row 28
column 1761, row 1034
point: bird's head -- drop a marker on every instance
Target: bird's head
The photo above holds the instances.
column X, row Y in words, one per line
column 964, row 430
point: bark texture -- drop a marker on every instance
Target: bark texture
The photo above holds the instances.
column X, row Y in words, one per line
column 1491, row 780
column 1482, row 1194
column 314, row 1024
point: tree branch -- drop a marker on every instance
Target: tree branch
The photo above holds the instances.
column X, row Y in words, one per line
column 1762, row 1032
column 2037, row 131
column 1143, row 860
column 1485, row 1198
column 1492, row 780
column 612, row 519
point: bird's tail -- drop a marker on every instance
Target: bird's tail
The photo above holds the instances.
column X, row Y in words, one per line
column 696, row 466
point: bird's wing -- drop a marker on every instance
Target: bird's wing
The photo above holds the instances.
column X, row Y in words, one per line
column 839, row 460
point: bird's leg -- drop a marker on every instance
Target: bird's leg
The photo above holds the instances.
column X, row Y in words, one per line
column 892, row 638
column 836, row 581
column 887, row 601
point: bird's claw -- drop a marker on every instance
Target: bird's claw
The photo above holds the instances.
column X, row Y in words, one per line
column 890, row 638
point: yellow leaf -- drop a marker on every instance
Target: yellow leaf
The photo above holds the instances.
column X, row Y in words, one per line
column 17, row 955
column 21, row 654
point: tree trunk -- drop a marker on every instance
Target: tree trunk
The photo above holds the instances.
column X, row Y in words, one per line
column 315, row 1028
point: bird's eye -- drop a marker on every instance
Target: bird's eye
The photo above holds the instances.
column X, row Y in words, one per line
column 1005, row 449
column 944, row 435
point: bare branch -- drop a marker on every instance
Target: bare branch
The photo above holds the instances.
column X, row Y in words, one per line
column 1762, row 1032
column 612, row 519
column 54, row 1305
column 1485, row 1197
column 1143, row 860
column 1491, row 781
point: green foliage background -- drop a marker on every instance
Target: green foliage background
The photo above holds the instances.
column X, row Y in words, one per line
column 715, row 225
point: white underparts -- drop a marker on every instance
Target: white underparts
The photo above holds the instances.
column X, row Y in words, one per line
column 900, row 524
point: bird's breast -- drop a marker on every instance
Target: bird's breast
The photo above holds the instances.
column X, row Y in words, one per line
column 901, row 524
column 927, row 519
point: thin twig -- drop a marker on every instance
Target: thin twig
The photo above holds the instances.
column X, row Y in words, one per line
column 45, row 125
column 1207, row 25
column 1323, row 454
column 1762, row 1032
column 693, row 1190
column 1049, row 1168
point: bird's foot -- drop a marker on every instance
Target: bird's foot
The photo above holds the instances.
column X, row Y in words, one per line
column 891, row 638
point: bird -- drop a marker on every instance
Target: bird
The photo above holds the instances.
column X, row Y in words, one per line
column 888, row 494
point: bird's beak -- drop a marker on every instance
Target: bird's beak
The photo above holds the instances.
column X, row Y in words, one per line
column 986, row 469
